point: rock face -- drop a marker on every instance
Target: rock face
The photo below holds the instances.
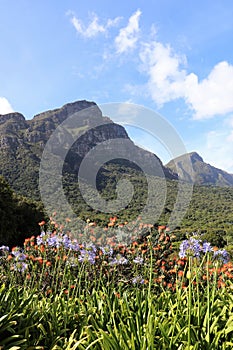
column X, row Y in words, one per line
column 191, row 167
column 22, row 142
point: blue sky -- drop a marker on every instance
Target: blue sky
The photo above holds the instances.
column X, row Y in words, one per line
column 174, row 57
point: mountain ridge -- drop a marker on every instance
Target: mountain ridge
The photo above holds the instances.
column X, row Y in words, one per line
column 22, row 142
column 200, row 172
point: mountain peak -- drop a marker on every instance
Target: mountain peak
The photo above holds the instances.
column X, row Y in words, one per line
column 191, row 167
column 194, row 156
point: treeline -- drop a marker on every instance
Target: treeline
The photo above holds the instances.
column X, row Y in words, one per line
column 19, row 216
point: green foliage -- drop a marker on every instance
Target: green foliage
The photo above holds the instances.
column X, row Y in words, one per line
column 95, row 312
column 19, row 216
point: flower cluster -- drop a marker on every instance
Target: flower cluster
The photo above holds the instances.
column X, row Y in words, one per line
column 60, row 261
column 57, row 241
column 195, row 248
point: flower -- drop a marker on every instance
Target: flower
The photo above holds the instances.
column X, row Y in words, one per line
column 20, row 266
column 18, row 255
column 107, row 250
column 207, row 247
column 53, row 241
column 4, row 247
column 42, row 223
column 41, row 238
column 87, row 256
column 138, row 260
column 119, row 260
column 138, row 279
column 190, row 247
column 221, row 255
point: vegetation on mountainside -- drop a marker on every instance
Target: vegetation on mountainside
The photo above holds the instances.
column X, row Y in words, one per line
column 19, row 216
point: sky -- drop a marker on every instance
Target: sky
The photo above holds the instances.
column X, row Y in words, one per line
column 172, row 56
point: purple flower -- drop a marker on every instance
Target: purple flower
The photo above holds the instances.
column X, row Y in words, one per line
column 221, row 255
column 54, row 241
column 138, row 260
column 138, row 279
column 74, row 246
column 87, row 256
column 19, row 256
column 190, row 247
column 119, row 260
column 66, row 242
column 69, row 244
column 207, row 247
column 90, row 247
column 41, row 238
column 107, row 250
column 20, row 267
column 4, row 247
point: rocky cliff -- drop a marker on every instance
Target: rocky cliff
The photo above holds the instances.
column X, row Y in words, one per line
column 191, row 167
column 22, row 142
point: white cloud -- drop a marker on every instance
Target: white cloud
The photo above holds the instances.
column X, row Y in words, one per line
column 5, row 106
column 94, row 27
column 128, row 36
column 213, row 95
column 168, row 80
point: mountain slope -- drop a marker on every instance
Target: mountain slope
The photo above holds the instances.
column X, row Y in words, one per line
column 22, row 143
column 191, row 167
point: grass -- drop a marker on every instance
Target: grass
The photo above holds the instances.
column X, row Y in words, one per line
column 56, row 293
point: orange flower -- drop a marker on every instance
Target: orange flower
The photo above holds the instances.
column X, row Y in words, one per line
column 180, row 273
column 39, row 259
column 48, row 263
column 221, row 284
column 42, row 223
column 26, row 241
column 180, row 262
column 42, row 248
column 228, row 274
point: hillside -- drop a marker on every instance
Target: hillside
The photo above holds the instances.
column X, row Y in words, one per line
column 22, row 143
column 191, row 167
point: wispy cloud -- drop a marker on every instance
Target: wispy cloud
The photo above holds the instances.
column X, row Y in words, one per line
column 167, row 73
column 129, row 35
column 5, row 106
column 163, row 68
column 169, row 80
column 94, row 28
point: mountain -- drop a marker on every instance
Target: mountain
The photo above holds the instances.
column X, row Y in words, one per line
column 192, row 168
column 22, row 143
